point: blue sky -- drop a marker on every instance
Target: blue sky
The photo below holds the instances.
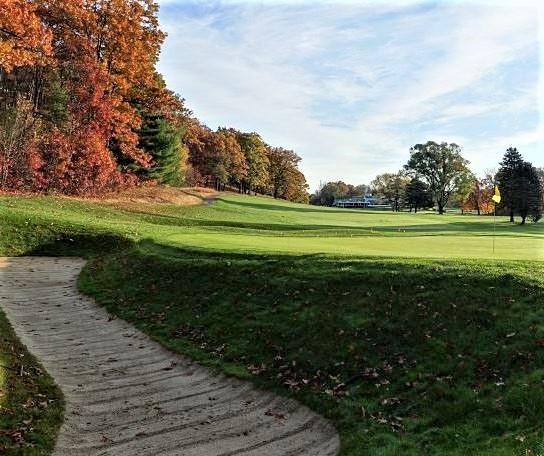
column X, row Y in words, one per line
column 352, row 85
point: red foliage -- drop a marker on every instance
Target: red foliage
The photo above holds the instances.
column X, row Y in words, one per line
column 105, row 50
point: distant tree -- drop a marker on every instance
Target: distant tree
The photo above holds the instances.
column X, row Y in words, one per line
column 417, row 195
column 509, row 179
column 441, row 166
column 392, row 186
column 361, row 190
column 529, row 199
column 540, row 172
column 216, row 157
column 479, row 196
column 296, row 188
column 327, row 192
column 254, row 150
column 281, row 164
column 232, row 157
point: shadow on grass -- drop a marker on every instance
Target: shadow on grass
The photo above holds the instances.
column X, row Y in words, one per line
column 82, row 245
column 408, row 352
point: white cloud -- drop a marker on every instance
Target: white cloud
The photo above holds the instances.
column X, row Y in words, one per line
column 352, row 87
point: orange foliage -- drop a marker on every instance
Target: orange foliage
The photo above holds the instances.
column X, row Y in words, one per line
column 479, row 198
column 215, row 157
column 82, row 75
column 23, row 39
column 107, row 51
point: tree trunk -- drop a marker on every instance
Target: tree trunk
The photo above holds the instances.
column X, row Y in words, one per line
column 523, row 219
column 440, row 209
column 511, row 215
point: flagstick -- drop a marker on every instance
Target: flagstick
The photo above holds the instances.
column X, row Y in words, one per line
column 494, row 222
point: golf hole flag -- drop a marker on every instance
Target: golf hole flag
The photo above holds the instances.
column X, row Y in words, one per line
column 497, row 196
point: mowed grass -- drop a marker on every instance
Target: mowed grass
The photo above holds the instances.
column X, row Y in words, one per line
column 248, row 224
column 403, row 329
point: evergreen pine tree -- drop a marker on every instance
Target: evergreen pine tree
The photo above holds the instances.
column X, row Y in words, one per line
column 508, row 180
column 164, row 144
column 529, row 200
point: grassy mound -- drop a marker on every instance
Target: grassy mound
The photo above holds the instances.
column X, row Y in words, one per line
column 403, row 329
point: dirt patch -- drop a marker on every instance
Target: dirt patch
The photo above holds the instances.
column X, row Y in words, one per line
column 190, row 196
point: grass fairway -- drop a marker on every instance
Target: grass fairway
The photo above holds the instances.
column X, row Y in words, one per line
column 405, row 330
column 246, row 224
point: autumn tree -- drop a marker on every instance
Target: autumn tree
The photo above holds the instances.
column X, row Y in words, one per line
column 84, row 109
column 254, row 150
column 216, row 157
column 479, row 196
column 441, row 166
column 17, row 127
column 281, row 163
column 296, row 187
column 24, row 40
column 233, row 156
column 84, row 88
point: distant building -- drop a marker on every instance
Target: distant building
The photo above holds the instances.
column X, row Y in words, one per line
column 359, row 201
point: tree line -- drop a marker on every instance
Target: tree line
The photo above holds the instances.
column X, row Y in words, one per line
column 437, row 175
column 83, row 109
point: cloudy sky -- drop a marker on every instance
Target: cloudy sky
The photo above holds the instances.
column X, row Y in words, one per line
column 351, row 85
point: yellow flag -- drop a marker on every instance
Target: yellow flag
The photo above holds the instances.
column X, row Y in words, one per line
column 497, row 196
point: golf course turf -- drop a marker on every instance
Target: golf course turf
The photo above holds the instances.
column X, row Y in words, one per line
column 405, row 330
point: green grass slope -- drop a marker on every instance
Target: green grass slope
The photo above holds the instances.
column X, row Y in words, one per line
column 405, row 330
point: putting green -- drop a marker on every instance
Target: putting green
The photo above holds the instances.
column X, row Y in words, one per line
column 428, row 246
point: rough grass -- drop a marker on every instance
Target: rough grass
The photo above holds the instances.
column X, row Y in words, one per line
column 405, row 330
column 31, row 406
